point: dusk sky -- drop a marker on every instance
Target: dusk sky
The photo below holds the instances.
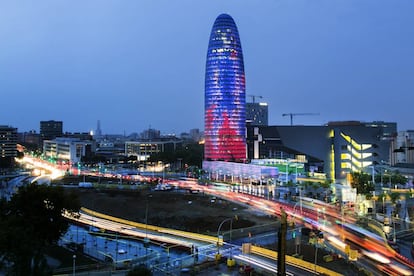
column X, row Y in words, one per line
column 135, row 64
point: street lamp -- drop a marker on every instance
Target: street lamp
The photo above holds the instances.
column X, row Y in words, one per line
column 218, row 237
column 74, row 264
column 393, row 226
column 287, row 170
column 316, row 256
column 146, row 240
column 296, row 172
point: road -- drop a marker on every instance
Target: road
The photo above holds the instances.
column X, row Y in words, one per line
column 319, row 218
column 372, row 250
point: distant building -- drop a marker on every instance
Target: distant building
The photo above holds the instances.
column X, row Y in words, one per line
column 8, row 145
column 225, row 94
column 85, row 136
column 50, row 130
column 30, row 139
column 68, row 150
column 110, row 151
column 145, row 148
column 150, row 134
column 257, row 114
column 194, row 135
column 98, row 132
column 403, row 148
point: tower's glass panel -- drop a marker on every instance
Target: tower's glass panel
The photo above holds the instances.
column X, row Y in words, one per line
column 225, row 95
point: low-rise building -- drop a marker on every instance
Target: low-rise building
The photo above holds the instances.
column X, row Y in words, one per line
column 63, row 149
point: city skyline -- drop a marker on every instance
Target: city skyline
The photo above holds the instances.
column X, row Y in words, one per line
column 134, row 64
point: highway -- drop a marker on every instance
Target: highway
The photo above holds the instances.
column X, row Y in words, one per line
column 370, row 250
column 146, row 232
column 260, row 258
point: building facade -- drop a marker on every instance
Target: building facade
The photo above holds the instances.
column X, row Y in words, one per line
column 68, row 150
column 145, row 148
column 30, row 139
column 225, row 95
column 8, row 145
column 336, row 149
column 403, row 149
column 51, row 129
column 257, row 114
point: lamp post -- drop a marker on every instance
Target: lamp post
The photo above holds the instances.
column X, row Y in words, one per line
column 146, row 240
column 316, row 255
column 287, row 171
column 218, row 234
column 296, row 172
column 74, row 264
column 393, row 227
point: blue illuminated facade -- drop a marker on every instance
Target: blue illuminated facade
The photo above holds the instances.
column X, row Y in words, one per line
column 225, row 94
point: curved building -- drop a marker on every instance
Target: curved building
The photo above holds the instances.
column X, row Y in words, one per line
column 225, row 94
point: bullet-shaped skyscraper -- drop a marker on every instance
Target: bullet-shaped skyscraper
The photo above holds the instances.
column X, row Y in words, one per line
column 225, row 94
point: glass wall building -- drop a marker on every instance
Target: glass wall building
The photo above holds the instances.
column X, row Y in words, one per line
column 225, row 94
column 257, row 114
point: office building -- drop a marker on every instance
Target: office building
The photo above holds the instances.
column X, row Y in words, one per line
column 145, row 148
column 51, row 129
column 403, row 149
column 8, row 145
column 150, row 134
column 98, row 132
column 337, row 148
column 66, row 150
column 257, row 114
column 30, row 140
column 225, row 95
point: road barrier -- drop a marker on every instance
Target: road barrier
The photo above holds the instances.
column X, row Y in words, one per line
column 264, row 252
column 179, row 233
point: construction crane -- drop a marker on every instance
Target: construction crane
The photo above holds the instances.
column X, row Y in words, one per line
column 297, row 114
column 254, row 97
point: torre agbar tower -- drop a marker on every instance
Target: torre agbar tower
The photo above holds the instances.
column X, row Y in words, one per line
column 225, row 94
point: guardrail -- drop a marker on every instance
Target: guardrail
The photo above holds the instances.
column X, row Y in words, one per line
column 180, row 233
column 267, row 253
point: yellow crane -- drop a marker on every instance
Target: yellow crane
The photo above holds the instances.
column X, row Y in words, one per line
column 297, row 114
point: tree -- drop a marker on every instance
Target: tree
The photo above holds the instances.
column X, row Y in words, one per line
column 394, row 197
column 362, row 182
column 395, row 178
column 190, row 154
column 30, row 221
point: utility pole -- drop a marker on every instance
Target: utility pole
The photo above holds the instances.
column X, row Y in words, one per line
column 281, row 246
